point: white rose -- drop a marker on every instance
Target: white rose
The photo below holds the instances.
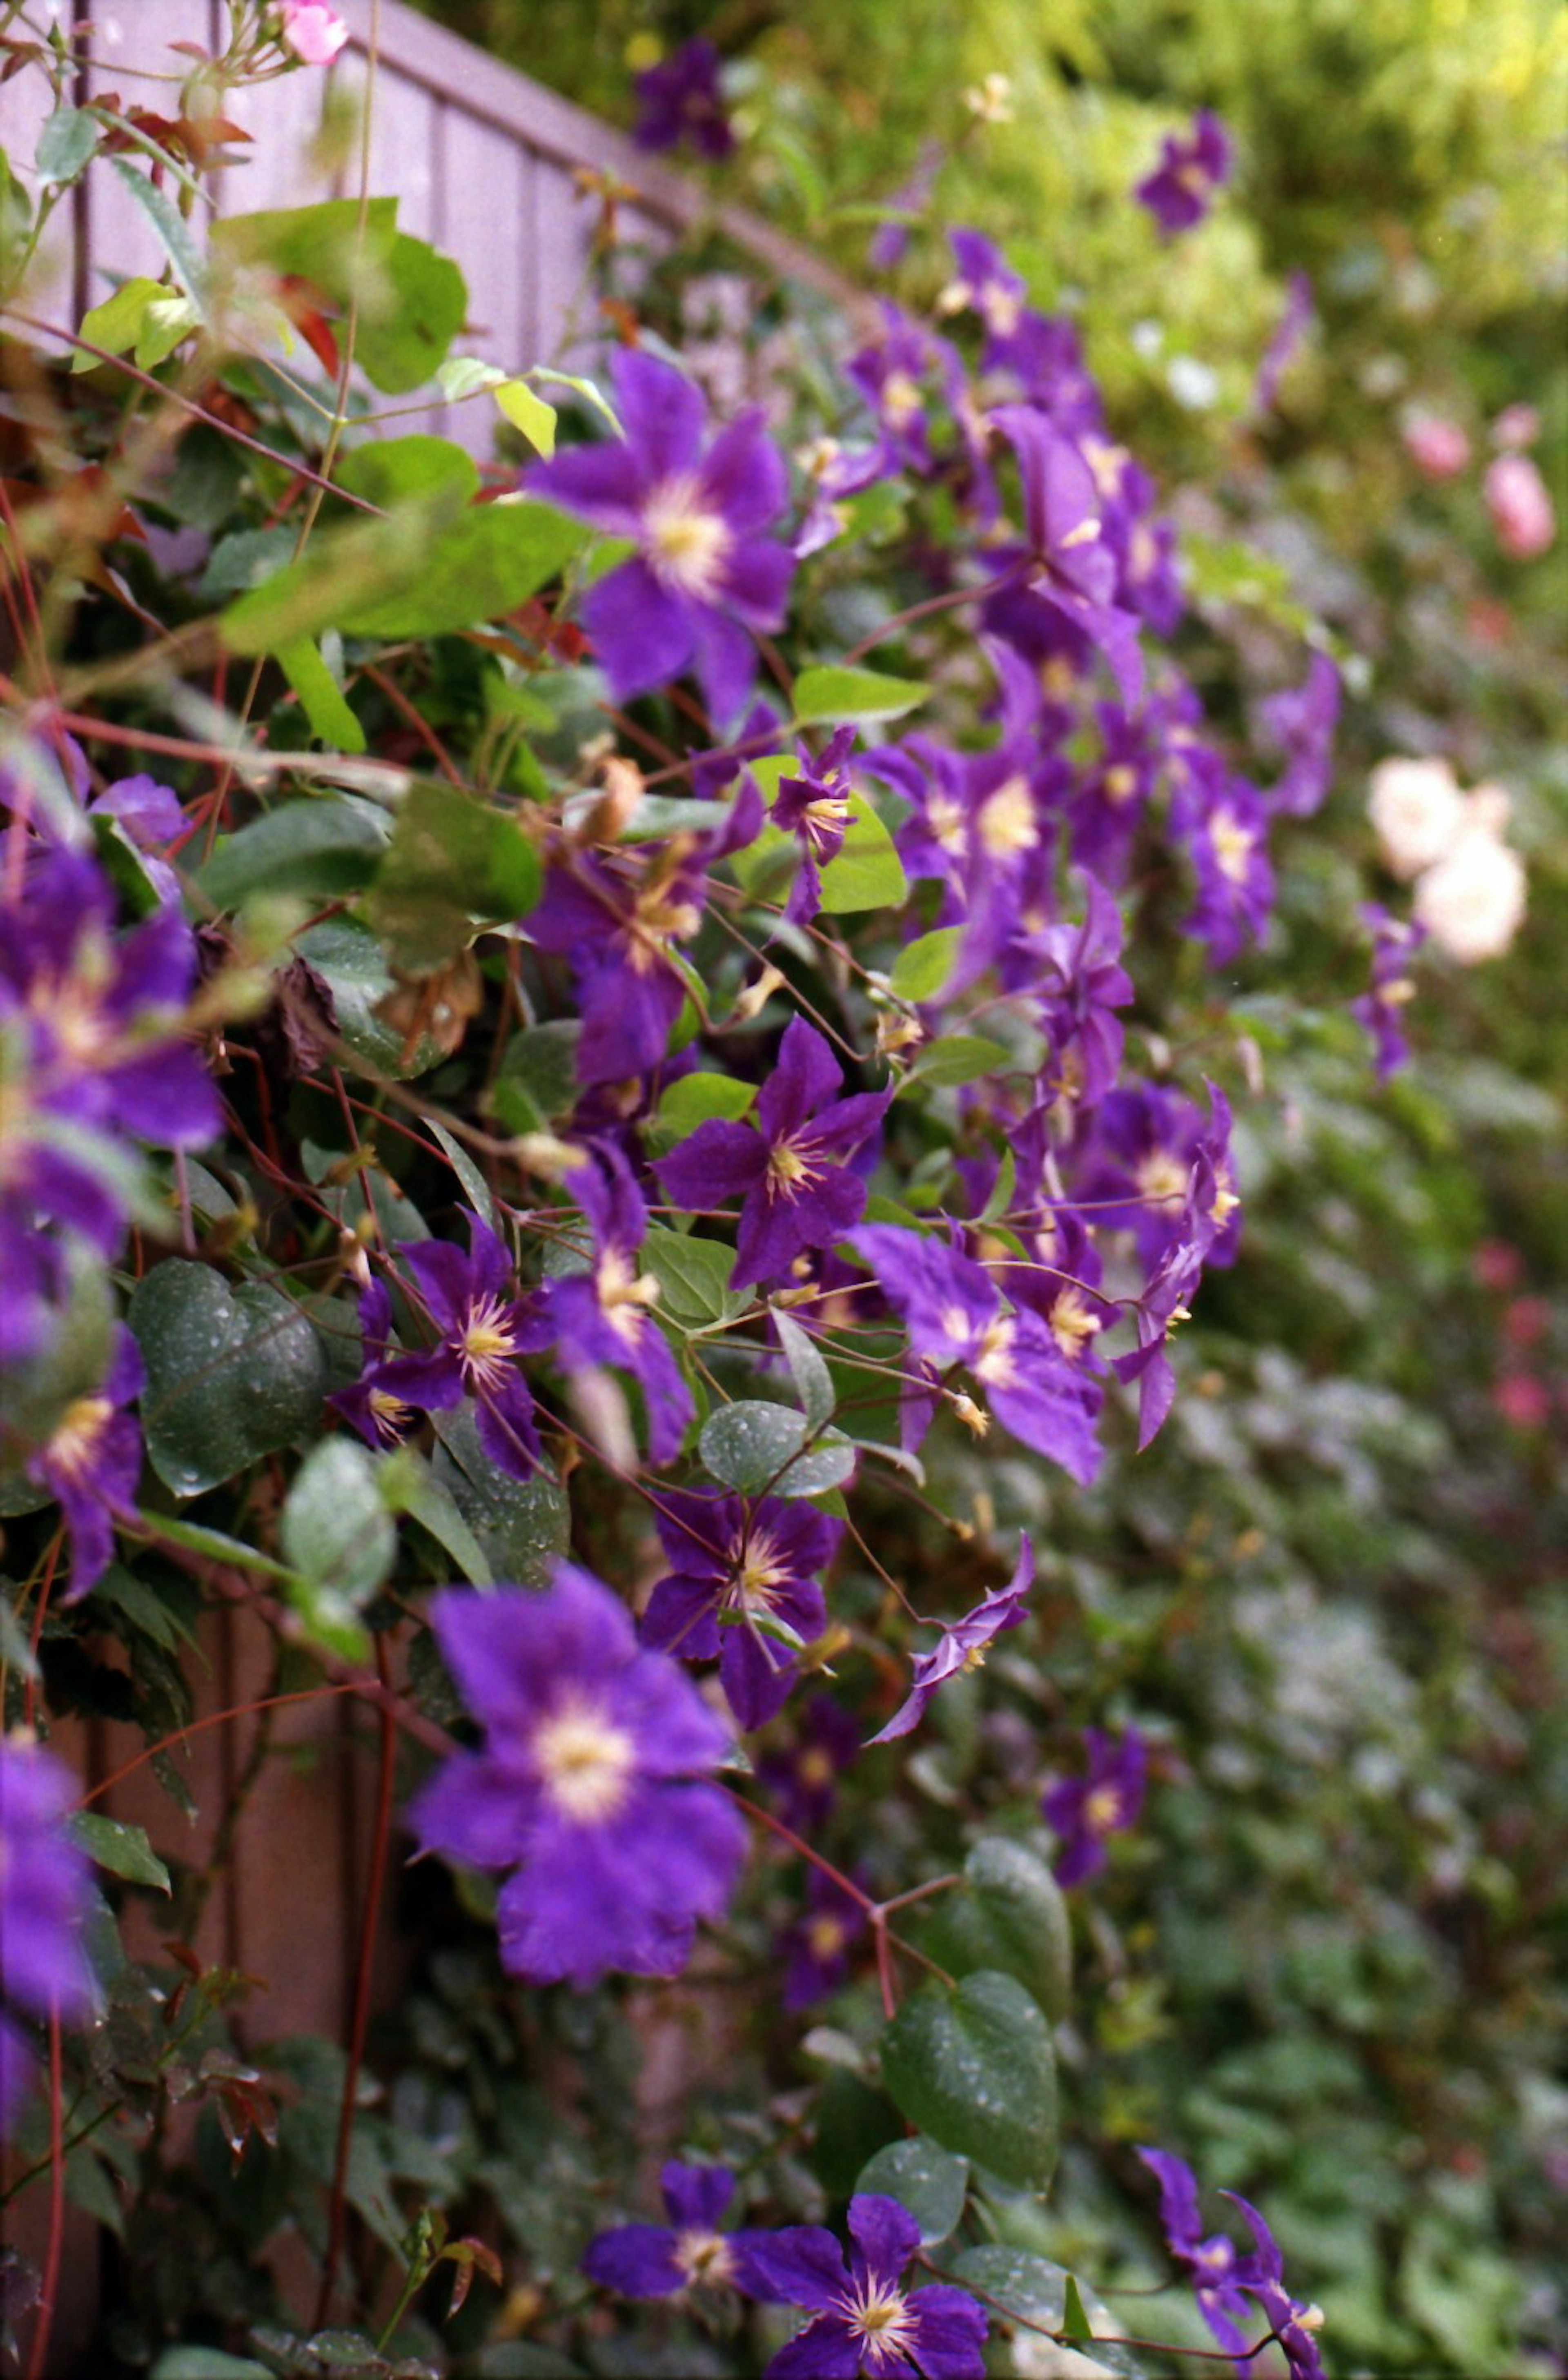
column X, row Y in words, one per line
column 1471, row 903
column 1417, row 813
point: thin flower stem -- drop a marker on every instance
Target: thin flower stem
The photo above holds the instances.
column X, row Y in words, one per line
column 1044, row 2330
column 369, row 1923
column 36, row 1632
column 38, row 2362
column 946, row 603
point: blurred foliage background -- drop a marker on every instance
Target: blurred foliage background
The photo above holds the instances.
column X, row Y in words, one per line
column 1329, row 1969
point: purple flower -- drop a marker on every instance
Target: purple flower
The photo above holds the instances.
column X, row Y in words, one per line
column 45, row 1895
column 1086, row 1811
column 704, row 572
column 602, row 1316
column 1080, row 981
column 735, row 1568
column 90, row 1464
column 814, row 807
column 802, row 1778
column 1302, row 721
column 1224, row 823
column 482, row 1330
column 1144, row 1180
column 1191, row 169
column 817, row 1946
column 953, row 1313
column 797, row 1195
column 649, row 2260
column 1287, row 335
column 963, row 1645
column 891, row 373
column 1074, row 572
column 381, row 1417
column 986, row 284
column 592, row 1788
column 1292, row 2320
column 1213, row 2263
column 1381, row 1008
column 1111, row 798
column 862, row 2320
column 682, row 98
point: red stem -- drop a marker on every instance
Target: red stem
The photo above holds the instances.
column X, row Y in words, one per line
column 360, row 2021
column 36, row 1632
column 38, row 2362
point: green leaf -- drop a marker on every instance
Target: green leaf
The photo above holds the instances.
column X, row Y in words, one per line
column 342, row 569
column 123, row 1849
column 491, row 559
column 693, row 1274
column 464, row 376
column 171, row 228
column 232, row 1374
column 315, row 848
column 813, row 1382
column 528, row 412
column 588, row 390
column 116, row 324
column 319, row 243
column 923, row 967
column 409, row 1485
column 453, row 863
column 389, row 471
column 351, row 959
column 166, row 321
column 198, row 1539
column 974, row 2067
column 538, row 1083
column 336, row 1530
column 123, row 865
column 954, row 1058
column 1076, row 2322
column 476, row 1188
column 244, row 559
column 929, row 2180
column 320, row 696
column 822, row 695
column 1009, row 1916
column 522, row 1526
column 749, row 1445
column 65, row 143
column 865, row 872
column 695, row 1099
column 407, row 329
column 207, row 2364
column 1029, row 2289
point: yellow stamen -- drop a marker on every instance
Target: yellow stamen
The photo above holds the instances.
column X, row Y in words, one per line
column 686, row 542
column 585, row 1763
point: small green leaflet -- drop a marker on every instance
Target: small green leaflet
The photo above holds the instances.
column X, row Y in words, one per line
column 121, row 1848
column 835, row 694
column 320, row 696
column 921, row 970
column 528, row 413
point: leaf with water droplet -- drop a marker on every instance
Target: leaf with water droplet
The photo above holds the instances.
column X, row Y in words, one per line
column 974, row 2067
column 232, row 1374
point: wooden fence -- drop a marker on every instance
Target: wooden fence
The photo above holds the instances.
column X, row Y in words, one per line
column 483, row 161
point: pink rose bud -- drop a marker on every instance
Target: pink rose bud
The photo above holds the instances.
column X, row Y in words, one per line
column 1520, row 506
column 1497, row 1265
column 314, row 33
column 1523, row 1400
column 1516, row 425
column 1438, row 447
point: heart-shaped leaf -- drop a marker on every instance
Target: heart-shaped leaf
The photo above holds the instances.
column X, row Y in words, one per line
column 232, row 1374
column 974, row 2067
column 930, row 2182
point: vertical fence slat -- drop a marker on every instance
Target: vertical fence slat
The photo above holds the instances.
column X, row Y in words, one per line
column 565, row 316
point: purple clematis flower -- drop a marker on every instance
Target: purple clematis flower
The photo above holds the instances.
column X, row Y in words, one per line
column 1302, row 721
column 985, row 284
column 1381, row 1008
column 735, row 1565
column 1191, row 168
column 1074, row 572
column 381, row 1417
column 650, row 2260
column 862, row 2320
column 953, row 1313
column 90, row 1464
column 1214, row 2264
column 817, row 1946
column 814, row 807
column 682, row 100
column 963, row 1645
column 592, row 1788
column 45, row 1895
column 704, row 572
column 1111, row 798
column 1086, row 1811
column 483, row 1329
column 798, row 1192
column 604, row 1316
column 1224, row 822
column 1293, row 2321
column 1080, row 981
column 803, row 1780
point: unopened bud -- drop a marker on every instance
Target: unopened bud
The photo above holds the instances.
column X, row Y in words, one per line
column 542, row 1153
column 756, row 996
column 972, row 1416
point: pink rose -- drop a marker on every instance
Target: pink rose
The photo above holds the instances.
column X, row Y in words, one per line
column 1520, row 506
column 314, row 33
column 1438, row 447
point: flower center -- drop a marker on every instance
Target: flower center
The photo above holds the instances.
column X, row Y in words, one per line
column 485, row 1344
column 1119, row 783
column 659, row 920
column 884, row 2320
column 1072, row 1322
column 789, row 1169
column 389, row 1414
column 949, row 830
column 624, row 1295
column 900, row 399
column 1233, row 845
column 1007, row 821
column 826, row 817
column 758, row 1573
column 1057, row 677
column 585, row 1763
column 703, row 2256
column 815, row 1769
column 825, row 1937
column 994, row 1364
column 1161, row 1178
column 1102, row 1810
column 75, row 1443
column 686, row 542
column 1225, row 1199
column 999, row 308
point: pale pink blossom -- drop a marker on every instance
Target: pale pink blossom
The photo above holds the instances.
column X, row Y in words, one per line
column 1472, row 902
column 315, row 33
column 1520, row 506
column 1516, row 425
column 1437, row 446
column 1417, row 813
